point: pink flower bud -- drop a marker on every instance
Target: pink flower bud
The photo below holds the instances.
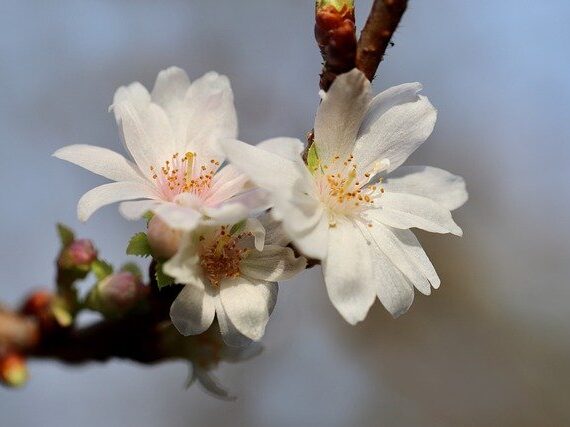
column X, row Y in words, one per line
column 164, row 241
column 80, row 253
column 119, row 292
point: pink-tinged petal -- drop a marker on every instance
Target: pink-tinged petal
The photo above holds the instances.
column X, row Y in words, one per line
column 397, row 123
column 347, row 270
column 248, row 305
column 193, row 310
column 111, row 193
column 442, row 187
column 101, row 161
column 136, row 210
column 273, row 264
column 405, row 211
column 227, row 182
column 340, row 114
column 177, row 216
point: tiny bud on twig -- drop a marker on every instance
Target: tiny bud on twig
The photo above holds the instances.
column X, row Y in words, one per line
column 335, row 32
column 13, row 370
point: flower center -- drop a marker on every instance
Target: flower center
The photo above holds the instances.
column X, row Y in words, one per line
column 181, row 174
column 221, row 255
column 346, row 191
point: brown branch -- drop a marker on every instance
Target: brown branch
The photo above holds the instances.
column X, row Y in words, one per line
column 377, row 33
column 140, row 335
column 17, row 332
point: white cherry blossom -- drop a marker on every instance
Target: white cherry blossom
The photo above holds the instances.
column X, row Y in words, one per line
column 171, row 134
column 353, row 205
column 230, row 272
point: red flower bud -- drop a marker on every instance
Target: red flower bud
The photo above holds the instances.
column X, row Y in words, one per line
column 13, row 370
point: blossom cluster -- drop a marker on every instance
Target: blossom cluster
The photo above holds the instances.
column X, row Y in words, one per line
column 229, row 220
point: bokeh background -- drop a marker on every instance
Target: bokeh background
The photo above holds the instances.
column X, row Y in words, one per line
column 490, row 348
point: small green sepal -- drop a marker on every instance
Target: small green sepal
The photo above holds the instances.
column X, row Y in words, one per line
column 101, row 269
column 139, row 246
column 313, row 161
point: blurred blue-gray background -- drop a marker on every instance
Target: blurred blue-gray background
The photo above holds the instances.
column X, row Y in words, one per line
column 490, row 348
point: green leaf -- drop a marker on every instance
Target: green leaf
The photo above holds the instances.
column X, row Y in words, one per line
column 162, row 279
column 238, row 227
column 101, row 269
column 139, row 245
column 132, row 268
column 313, row 161
column 66, row 235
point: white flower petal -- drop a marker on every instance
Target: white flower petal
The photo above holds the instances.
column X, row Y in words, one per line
column 225, row 214
column 398, row 122
column 248, row 305
column 101, row 161
column 231, row 336
column 135, row 93
column 274, row 232
column 170, row 88
column 290, row 148
column 211, row 115
column 340, row 114
column 273, row 264
column 184, row 267
column 136, row 210
column 348, row 272
column 177, row 216
column 436, row 184
column 227, row 182
column 394, row 292
column 385, row 242
column 267, row 170
column 414, row 251
column 111, row 193
column 404, row 211
column 306, row 223
column 213, row 385
column 147, row 133
column 193, row 310
column 254, row 226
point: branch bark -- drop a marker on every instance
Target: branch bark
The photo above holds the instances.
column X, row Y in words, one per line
column 377, row 33
column 335, row 32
